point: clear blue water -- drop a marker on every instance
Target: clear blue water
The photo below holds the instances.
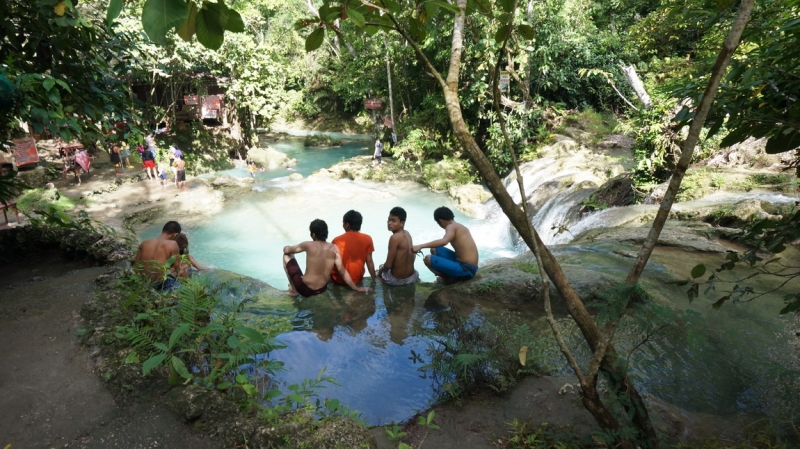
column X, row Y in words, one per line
column 309, row 159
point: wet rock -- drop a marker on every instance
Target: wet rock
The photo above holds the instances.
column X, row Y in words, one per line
column 503, row 282
column 270, row 158
column 657, row 195
column 363, row 167
column 295, row 177
column 738, row 214
column 616, row 141
column 321, row 140
column 687, row 239
column 470, row 198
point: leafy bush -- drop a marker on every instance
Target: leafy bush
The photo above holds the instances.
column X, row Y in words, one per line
column 467, row 355
column 40, row 199
column 447, row 173
column 176, row 330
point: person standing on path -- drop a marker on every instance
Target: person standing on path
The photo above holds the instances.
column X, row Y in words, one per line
column 149, row 162
column 125, row 153
column 116, row 159
column 355, row 249
column 378, row 151
column 450, row 265
column 180, row 173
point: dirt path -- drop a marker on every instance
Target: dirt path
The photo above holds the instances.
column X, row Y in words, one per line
column 49, row 394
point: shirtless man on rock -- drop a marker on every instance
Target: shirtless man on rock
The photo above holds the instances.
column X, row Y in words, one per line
column 153, row 254
column 321, row 257
column 399, row 266
column 458, row 264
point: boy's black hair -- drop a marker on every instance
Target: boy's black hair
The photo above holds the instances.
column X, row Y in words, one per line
column 172, row 227
column 443, row 213
column 398, row 212
column 319, row 229
column 354, row 219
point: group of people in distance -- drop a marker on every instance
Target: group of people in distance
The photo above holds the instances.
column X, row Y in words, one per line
column 158, row 170
column 341, row 261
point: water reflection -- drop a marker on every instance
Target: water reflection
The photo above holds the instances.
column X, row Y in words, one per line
column 365, row 343
column 399, row 304
column 345, row 309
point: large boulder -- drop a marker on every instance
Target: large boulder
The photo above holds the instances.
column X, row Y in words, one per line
column 682, row 237
column 270, row 158
column 470, row 198
column 321, row 140
column 501, row 282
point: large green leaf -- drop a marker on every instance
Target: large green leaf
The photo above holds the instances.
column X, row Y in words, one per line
column 251, row 333
column 188, row 29
column 786, row 140
column 179, row 332
column 152, row 362
column 209, row 30
column 180, row 368
column 526, row 31
column 315, row 39
column 161, row 16
column 221, row 12
column 356, row 17
column 114, row 8
column 235, row 24
column 507, row 5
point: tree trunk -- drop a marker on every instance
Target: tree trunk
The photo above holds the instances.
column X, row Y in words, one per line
column 637, row 85
column 516, row 215
column 391, row 98
column 720, row 66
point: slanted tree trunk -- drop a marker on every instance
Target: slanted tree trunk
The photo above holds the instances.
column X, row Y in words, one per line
column 590, row 330
column 720, row 66
column 637, row 85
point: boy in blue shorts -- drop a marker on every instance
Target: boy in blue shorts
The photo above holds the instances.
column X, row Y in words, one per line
column 458, row 264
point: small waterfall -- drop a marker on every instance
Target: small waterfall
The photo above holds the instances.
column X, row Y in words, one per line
column 555, row 190
column 557, row 184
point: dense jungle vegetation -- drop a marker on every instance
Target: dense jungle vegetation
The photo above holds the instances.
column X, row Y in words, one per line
column 69, row 68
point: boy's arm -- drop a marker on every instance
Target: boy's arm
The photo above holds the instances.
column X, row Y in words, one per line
column 371, row 267
column 449, row 234
column 394, row 242
column 294, row 249
column 176, row 263
column 344, row 274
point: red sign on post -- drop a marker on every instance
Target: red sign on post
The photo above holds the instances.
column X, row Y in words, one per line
column 25, row 152
column 387, row 122
column 190, row 99
column 212, row 104
column 373, row 103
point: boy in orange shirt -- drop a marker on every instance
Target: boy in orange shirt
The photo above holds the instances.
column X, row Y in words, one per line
column 356, row 249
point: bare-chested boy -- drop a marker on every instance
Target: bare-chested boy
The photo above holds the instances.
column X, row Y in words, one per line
column 154, row 253
column 321, row 257
column 399, row 266
column 180, row 173
column 451, row 266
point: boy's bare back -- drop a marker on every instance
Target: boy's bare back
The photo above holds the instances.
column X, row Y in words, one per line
column 463, row 244
column 403, row 261
column 320, row 260
column 153, row 254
